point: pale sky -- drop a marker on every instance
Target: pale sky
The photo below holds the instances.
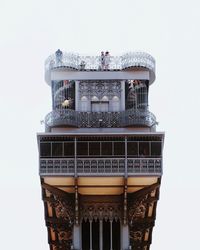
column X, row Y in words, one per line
column 29, row 32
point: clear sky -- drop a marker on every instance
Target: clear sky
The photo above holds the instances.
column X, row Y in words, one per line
column 29, row 32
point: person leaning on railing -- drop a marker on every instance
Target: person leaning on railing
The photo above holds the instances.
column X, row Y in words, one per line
column 107, row 60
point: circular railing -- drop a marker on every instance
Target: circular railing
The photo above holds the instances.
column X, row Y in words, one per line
column 74, row 118
column 77, row 62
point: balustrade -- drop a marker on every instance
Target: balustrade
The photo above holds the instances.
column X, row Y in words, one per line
column 77, row 62
column 99, row 119
column 100, row 166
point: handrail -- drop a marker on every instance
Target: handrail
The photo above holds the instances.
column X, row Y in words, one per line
column 74, row 118
column 100, row 166
column 77, row 62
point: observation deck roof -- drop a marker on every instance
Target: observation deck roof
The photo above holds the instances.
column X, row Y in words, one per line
column 131, row 61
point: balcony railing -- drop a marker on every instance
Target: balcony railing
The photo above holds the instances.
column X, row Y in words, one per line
column 100, row 166
column 70, row 117
column 77, row 62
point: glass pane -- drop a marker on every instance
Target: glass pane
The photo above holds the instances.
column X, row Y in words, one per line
column 57, row 149
column 132, row 148
column 104, row 106
column 106, row 148
column 156, row 148
column 45, row 149
column 144, row 149
column 119, row 148
column 94, row 148
column 95, row 107
column 82, row 148
column 68, row 149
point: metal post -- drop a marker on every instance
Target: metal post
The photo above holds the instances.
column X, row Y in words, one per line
column 90, row 234
column 126, row 171
column 76, row 185
column 76, row 203
column 75, row 157
column 101, row 234
column 125, row 202
column 111, row 235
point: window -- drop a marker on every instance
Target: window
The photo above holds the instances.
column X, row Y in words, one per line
column 144, row 149
column 132, row 148
column 45, row 149
column 82, row 148
column 69, row 149
column 94, row 148
column 100, row 106
column 106, row 148
column 119, row 148
column 57, row 149
column 156, row 148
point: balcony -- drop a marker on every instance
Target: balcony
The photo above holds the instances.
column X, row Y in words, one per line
column 73, row 118
column 77, row 62
column 100, row 166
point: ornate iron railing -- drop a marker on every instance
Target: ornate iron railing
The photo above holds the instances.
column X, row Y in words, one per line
column 77, row 62
column 100, row 166
column 74, row 118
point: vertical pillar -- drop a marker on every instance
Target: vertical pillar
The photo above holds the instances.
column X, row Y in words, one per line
column 122, row 95
column 125, row 185
column 126, row 165
column 76, row 186
column 77, row 95
column 76, row 204
column 77, row 237
column 111, row 235
column 125, row 202
column 101, row 234
column 75, row 157
column 124, row 237
column 90, row 234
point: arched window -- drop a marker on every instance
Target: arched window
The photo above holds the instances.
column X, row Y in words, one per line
column 115, row 104
column 99, row 105
column 84, row 104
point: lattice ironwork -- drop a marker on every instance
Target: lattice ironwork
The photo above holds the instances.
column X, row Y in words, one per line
column 101, row 166
column 100, row 89
column 77, row 62
column 140, row 223
column 62, row 221
column 102, row 208
column 99, row 119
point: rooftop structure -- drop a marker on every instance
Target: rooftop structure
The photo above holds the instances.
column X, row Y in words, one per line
column 100, row 155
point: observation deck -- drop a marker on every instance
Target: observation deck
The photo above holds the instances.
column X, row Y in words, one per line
column 71, row 118
column 75, row 62
column 100, row 91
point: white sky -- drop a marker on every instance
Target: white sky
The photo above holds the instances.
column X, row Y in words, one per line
column 29, row 32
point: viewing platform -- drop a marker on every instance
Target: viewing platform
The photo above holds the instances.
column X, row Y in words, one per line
column 78, row 119
column 76, row 62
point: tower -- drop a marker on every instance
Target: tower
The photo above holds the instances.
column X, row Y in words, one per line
column 100, row 157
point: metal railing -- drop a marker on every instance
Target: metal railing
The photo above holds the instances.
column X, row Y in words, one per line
column 100, row 166
column 74, row 118
column 77, row 62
